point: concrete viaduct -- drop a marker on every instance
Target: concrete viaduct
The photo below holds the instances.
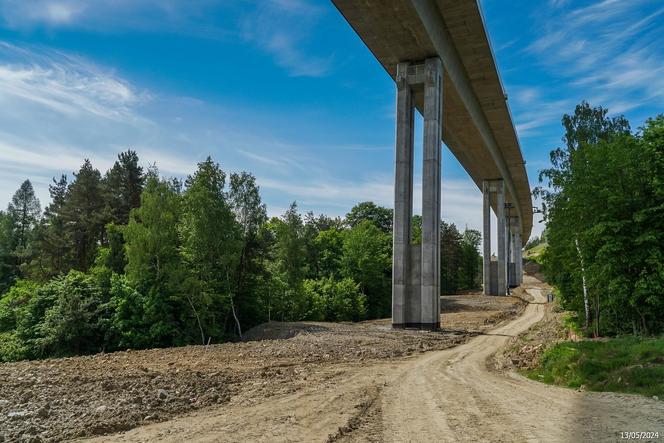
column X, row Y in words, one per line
column 439, row 55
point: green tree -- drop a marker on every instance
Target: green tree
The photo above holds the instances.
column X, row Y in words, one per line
column 471, row 260
column 8, row 268
column 450, row 258
column 83, row 216
column 328, row 299
column 53, row 243
column 154, row 265
column 250, row 214
column 123, row 185
column 211, row 248
column 72, row 324
column 329, row 245
column 603, row 212
column 288, row 266
column 25, row 211
column 367, row 260
column 381, row 217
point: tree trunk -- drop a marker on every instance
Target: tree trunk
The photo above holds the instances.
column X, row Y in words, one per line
column 237, row 321
column 198, row 319
column 586, row 304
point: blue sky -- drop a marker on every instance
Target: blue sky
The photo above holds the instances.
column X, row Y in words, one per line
column 286, row 90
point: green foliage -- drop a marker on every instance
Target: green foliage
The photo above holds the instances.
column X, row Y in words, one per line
column 329, row 249
column 130, row 325
column 8, row 268
column 381, row 217
column 154, row 264
column 52, row 242
column 605, row 210
column 334, row 300
column 210, row 248
column 129, row 259
column 460, row 260
column 72, row 324
column 83, row 215
column 14, row 302
column 123, row 185
column 625, row 364
column 367, row 260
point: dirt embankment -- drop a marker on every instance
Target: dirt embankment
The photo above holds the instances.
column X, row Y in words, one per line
column 59, row 399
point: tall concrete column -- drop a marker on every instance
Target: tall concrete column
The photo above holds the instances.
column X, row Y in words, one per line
column 486, row 254
column 403, row 196
column 518, row 253
column 511, row 263
column 502, row 244
column 431, row 171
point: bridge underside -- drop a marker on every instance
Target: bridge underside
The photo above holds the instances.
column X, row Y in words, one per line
column 463, row 104
column 396, row 31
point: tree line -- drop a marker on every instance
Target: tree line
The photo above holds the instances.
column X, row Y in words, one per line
column 603, row 201
column 131, row 259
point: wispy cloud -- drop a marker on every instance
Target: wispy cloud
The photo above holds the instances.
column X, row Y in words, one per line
column 65, row 84
column 111, row 15
column 610, row 49
column 282, row 29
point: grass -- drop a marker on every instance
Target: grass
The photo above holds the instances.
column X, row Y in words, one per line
column 534, row 253
column 625, row 364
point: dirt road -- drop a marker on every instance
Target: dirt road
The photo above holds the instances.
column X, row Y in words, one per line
column 452, row 396
column 447, row 395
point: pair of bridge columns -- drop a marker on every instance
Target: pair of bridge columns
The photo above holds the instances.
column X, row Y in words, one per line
column 416, row 268
column 507, row 271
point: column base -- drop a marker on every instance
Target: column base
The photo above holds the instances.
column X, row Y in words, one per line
column 420, row 326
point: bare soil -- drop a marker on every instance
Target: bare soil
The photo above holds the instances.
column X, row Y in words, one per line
column 107, row 394
column 445, row 395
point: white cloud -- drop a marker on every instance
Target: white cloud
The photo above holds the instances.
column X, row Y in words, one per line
column 610, row 49
column 282, row 28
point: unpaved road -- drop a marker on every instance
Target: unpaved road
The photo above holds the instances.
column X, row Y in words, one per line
column 447, row 395
column 452, row 396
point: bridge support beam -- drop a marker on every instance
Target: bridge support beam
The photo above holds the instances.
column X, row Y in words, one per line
column 494, row 272
column 416, row 268
column 518, row 253
column 403, row 197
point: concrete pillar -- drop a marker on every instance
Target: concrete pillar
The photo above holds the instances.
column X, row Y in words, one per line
column 518, row 252
column 403, row 196
column 486, row 254
column 431, row 194
column 511, row 263
column 502, row 243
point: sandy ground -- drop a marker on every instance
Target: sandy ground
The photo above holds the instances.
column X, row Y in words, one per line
column 284, row 364
column 448, row 395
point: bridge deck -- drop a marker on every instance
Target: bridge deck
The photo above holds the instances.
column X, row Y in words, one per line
column 393, row 32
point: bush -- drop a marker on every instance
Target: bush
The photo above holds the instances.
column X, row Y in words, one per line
column 14, row 302
column 332, row 300
column 12, row 348
column 71, row 322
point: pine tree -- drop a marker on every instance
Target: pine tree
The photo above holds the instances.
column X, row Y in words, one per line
column 25, row 211
column 123, row 185
column 53, row 247
column 83, row 215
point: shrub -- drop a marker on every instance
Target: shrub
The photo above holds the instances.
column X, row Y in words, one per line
column 334, row 300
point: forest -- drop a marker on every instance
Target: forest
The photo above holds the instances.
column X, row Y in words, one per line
column 603, row 201
column 129, row 259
